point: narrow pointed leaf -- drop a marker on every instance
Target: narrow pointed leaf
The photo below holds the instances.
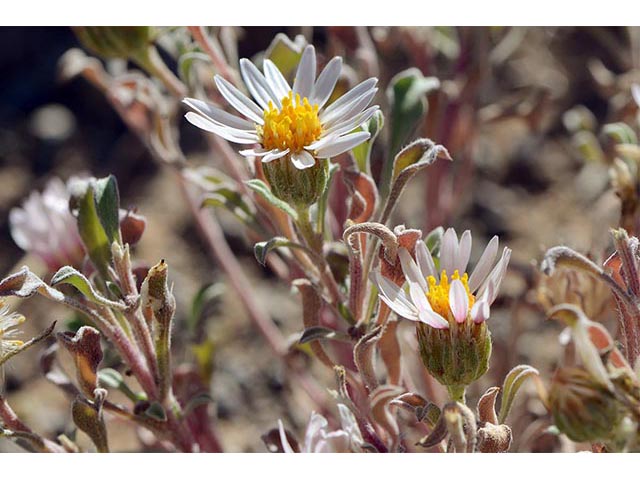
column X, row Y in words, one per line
column 512, row 383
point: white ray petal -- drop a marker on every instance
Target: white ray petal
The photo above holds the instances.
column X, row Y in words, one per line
column 275, row 78
column 348, row 110
column 448, row 250
column 483, row 267
column 419, row 298
column 433, row 319
column 343, row 144
column 323, row 141
column 257, row 152
column 218, row 115
column 410, row 269
column 239, row 100
column 274, row 155
column 306, row 73
column 326, row 82
column 425, row 260
column 228, row 133
column 355, row 92
column 257, row 84
column 302, row 160
column 458, row 301
column 496, row 275
column 400, row 309
column 464, row 252
column 352, row 123
column 391, row 290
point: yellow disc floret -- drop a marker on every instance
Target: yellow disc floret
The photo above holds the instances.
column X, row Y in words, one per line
column 438, row 294
column 294, row 126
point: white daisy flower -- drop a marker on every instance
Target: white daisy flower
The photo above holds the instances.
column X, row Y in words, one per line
column 44, row 226
column 289, row 121
column 439, row 298
column 8, row 332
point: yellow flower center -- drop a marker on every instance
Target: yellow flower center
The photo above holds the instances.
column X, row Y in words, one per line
column 294, row 126
column 438, row 294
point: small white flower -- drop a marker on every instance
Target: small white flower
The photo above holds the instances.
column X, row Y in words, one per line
column 441, row 297
column 318, row 438
column 289, row 121
column 8, row 332
column 44, row 226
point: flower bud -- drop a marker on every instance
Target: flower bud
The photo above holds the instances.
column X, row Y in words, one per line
column 115, row 42
column 299, row 188
column 582, row 408
column 455, row 356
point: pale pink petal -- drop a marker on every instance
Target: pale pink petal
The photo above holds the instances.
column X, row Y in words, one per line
column 483, row 267
column 400, row 309
column 286, row 446
column 425, row 260
column 448, row 251
column 458, row 301
column 418, row 297
column 496, row 275
column 480, row 311
column 410, row 269
column 464, row 252
column 394, row 297
column 433, row 319
column 317, row 425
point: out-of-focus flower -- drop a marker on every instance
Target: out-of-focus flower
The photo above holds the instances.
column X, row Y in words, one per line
column 582, row 408
column 443, row 297
column 8, row 323
column 574, row 287
column 289, row 121
column 44, row 226
column 318, row 438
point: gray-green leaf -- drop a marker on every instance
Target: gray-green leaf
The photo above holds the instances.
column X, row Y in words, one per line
column 264, row 191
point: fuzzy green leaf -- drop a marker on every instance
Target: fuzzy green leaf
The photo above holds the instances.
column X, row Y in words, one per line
column 512, row 383
column 71, row 276
column 261, row 249
column 264, row 191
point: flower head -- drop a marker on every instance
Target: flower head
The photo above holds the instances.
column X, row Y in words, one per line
column 318, row 438
column 449, row 306
column 289, row 121
column 8, row 332
column 44, row 226
column 441, row 297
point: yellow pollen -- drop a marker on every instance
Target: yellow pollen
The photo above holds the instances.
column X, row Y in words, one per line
column 438, row 294
column 294, row 126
